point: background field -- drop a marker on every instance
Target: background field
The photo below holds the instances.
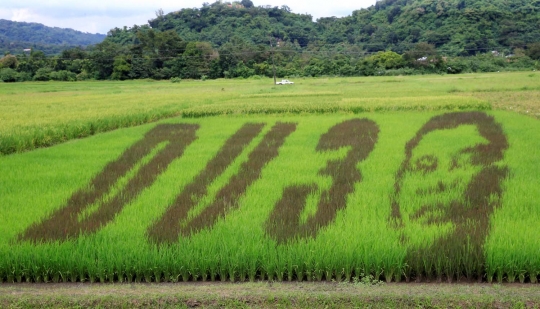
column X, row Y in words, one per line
column 360, row 242
column 43, row 114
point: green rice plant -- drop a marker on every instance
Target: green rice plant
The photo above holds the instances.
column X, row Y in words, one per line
column 379, row 227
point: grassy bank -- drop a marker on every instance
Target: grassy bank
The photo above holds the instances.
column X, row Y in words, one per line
column 269, row 295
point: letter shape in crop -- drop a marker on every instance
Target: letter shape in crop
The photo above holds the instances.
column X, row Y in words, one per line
column 175, row 221
column 67, row 223
column 284, row 222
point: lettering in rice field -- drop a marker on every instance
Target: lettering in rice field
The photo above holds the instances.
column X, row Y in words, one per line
column 227, row 198
column 447, row 187
column 67, row 223
column 167, row 229
column 284, row 222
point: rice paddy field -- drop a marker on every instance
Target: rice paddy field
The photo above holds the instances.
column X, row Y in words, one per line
column 426, row 179
column 41, row 114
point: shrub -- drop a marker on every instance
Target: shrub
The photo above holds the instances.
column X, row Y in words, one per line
column 456, row 66
column 8, row 75
column 24, row 77
column 83, row 76
column 175, row 80
column 64, row 76
column 402, row 71
column 43, row 74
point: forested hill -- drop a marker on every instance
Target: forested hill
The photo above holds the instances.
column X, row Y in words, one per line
column 464, row 27
column 455, row 27
column 16, row 36
column 238, row 39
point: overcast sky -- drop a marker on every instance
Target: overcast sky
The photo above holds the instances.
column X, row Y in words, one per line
column 99, row 16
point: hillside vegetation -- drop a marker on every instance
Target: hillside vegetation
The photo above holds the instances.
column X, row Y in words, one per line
column 457, row 27
column 16, row 36
column 231, row 40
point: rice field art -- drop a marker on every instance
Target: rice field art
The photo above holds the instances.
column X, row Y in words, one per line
column 402, row 196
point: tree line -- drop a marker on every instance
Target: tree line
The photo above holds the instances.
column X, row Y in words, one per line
column 240, row 40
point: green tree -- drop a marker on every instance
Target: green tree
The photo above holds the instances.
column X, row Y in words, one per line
column 31, row 63
column 65, row 76
column 102, row 59
column 121, row 68
column 387, row 60
column 8, row 75
column 43, row 74
column 9, row 61
column 534, row 51
column 197, row 59
column 425, row 56
column 156, row 47
column 247, row 3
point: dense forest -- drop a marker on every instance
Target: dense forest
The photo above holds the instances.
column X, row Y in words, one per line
column 17, row 36
column 454, row 27
column 239, row 39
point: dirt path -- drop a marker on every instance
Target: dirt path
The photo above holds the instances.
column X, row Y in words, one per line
column 267, row 294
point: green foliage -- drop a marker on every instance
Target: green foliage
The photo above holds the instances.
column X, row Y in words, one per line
column 366, row 281
column 456, row 27
column 43, row 74
column 83, row 76
column 121, row 68
column 16, row 36
column 387, row 60
column 9, row 61
column 63, row 75
column 232, row 40
column 175, row 80
column 8, row 75
column 24, row 77
column 534, row 51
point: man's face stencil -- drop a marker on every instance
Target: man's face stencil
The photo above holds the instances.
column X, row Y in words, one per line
column 435, row 179
column 449, row 182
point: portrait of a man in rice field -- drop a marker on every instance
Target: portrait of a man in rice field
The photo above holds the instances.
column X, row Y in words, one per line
column 445, row 190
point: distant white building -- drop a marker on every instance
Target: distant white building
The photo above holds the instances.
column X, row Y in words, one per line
column 27, row 50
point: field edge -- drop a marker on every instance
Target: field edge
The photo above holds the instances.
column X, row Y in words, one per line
column 269, row 295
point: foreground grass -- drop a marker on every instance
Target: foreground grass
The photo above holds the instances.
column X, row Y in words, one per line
column 43, row 114
column 269, row 295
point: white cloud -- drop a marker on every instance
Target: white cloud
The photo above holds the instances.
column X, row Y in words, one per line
column 21, row 15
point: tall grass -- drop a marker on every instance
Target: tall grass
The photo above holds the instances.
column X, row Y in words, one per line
column 347, row 105
column 362, row 239
column 37, row 114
